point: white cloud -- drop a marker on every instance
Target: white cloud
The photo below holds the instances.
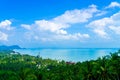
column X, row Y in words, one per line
column 116, row 18
column 101, row 33
column 6, row 24
column 76, row 36
column 62, row 32
column 3, row 36
column 5, row 27
column 116, row 29
column 58, row 26
column 101, row 13
column 99, row 26
column 36, row 37
column 53, row 27
column 113, row 4
column 28, row 27
column 104, row 25
column 76, row 16
column 101, row 23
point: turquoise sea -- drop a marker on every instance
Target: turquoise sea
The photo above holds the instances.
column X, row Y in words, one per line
column 73, row 55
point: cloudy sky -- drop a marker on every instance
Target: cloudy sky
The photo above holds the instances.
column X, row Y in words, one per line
column 60, row 23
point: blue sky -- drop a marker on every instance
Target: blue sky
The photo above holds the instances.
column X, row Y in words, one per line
column 60, row 23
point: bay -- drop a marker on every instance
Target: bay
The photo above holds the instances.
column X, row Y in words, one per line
column 73, row 55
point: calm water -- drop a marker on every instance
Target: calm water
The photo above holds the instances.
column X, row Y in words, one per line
column 68, row 54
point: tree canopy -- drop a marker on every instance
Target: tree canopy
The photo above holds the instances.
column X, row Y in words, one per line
column 26, row 67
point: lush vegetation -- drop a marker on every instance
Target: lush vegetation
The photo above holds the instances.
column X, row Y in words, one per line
column 26, row 67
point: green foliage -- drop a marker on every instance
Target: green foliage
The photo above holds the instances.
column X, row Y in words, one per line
column 26, row 67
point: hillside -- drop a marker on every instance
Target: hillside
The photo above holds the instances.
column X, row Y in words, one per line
column 4, row 47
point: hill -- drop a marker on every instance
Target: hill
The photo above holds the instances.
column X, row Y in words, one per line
column 4, row 47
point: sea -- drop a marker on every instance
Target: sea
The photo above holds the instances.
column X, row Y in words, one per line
column 72, row 55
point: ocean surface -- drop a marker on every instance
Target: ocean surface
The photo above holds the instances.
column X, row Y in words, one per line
column 73, row 55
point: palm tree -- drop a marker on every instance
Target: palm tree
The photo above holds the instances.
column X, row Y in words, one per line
column 87, row 71
column 104, row 71
column 115, row 63
column 27, row 74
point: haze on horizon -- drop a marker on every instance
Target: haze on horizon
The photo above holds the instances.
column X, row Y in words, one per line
column 60, row 24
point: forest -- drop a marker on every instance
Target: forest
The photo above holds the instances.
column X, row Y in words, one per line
column 16, row 66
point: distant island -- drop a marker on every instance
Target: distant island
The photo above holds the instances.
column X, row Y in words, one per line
column 4, row 47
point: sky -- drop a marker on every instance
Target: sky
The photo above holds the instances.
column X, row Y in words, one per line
column 60, row 23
